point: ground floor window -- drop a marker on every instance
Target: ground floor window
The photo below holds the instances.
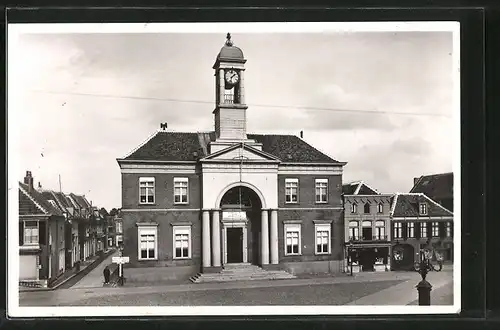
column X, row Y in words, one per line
column 323, row 234
column 148, row 242
column 30, row 232
column 182, row 242
column 292, row 236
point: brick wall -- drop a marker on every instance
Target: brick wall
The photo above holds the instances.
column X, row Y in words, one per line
column 307, row 191
column 164, row 191
column 165, row 236
column 308, row 242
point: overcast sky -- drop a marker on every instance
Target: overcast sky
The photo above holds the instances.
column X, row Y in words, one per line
column 80, row 136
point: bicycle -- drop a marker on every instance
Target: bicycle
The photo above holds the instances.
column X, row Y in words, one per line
column 429, row 266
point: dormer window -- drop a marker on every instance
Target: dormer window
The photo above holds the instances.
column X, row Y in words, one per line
column 423, row 209
column 367, row 208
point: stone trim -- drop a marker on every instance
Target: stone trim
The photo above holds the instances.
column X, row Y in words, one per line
column 322, row 222
column 146, row 224
column 181, row 223
column 161, row 210
column 288, row 222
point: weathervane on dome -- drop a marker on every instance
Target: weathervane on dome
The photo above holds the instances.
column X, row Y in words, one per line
column 229, row 42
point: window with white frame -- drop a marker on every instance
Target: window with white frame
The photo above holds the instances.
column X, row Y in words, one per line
column 435, row 229
column 353, row 230
column 291, row 190
column 398, row 230
column 292, row 237
column 410, row 229
column 423, row 229
column 354, row 208
column 423, row 209
column 321, row 190
column 118, row 227
column 147, row 190
column 380, row 230
column 148, row 242
column 323, row 235
column 181, row 190
column 380, row 208
column 31, row 232
column 448, row 229
column 182, row 242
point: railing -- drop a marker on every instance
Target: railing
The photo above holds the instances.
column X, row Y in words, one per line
column 368, row 239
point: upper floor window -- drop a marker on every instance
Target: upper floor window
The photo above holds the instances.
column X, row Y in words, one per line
column 321, row 190
column 380, row 208
column 423, row 209
column 448, row 229
column 118, row 227
column 423, row 229
column 291, row 190
column 353, row 230
column 180, row 190
column 410, row 230
column 30, row 232
column 398, row 230
column 323, row 235
column 380, row 230
column 354, row 208
column 367, row 208
column 182, row 242
column 147, row 190
column 435, row 229
column 292, row 239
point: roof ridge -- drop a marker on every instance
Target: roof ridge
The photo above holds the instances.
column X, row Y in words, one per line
column 393, row 206
column 142, row 144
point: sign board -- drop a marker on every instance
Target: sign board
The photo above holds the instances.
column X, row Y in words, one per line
column 120, row 260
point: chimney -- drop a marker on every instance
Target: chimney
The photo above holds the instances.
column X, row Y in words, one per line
column 39, row 185
column 28, row 179
column 301, row 134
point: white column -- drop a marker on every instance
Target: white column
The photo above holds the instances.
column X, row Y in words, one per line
column 215, row 239
column 274, row 237
column 242, row 87
column 265, row 238
column 221, row 85
column 206, row 239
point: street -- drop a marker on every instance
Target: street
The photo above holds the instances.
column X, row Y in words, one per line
column 391, row 288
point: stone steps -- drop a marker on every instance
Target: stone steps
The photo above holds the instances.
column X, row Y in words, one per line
column 241, row 272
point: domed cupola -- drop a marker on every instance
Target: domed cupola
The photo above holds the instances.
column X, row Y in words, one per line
column 229, row 51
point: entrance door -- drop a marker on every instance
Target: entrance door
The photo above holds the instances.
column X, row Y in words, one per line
column 234, row 245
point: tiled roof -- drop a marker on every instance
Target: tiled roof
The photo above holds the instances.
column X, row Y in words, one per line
column 34, row 202
column 407, row 205
column 435, row 186
column 190, row 146
column 358, row 188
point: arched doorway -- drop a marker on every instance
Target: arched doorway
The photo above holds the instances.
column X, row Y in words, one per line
column 241, row 225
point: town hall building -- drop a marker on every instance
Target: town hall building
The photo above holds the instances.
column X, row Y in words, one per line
column 200, row 202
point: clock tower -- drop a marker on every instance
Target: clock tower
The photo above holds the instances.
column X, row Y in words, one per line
column 230, row 107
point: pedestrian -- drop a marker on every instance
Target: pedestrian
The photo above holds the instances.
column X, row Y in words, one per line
column 106, row 273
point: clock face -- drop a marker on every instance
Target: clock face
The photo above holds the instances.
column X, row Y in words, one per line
column 232, row 77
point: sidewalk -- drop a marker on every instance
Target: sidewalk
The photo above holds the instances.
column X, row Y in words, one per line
column 95, row 278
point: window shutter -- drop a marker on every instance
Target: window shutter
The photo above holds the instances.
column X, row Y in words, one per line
column 442, row 229
column 21, row 233
column 405, row 230
column 417, row 230
column 42, row 232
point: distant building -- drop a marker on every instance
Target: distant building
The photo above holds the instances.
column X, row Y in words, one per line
column 367, row 228
column 419, row 224
column 438, row 187
column 197, row 201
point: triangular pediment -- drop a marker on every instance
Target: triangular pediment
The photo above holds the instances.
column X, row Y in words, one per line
column 241, row 152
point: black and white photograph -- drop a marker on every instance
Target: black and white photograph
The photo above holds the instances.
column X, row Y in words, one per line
column 233, row 169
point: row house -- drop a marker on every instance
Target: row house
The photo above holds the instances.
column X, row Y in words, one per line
column 393, row 231
column 198, row 201
column 41, row 237
column 367, row 228
column 419, row 225
column 58, row 244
